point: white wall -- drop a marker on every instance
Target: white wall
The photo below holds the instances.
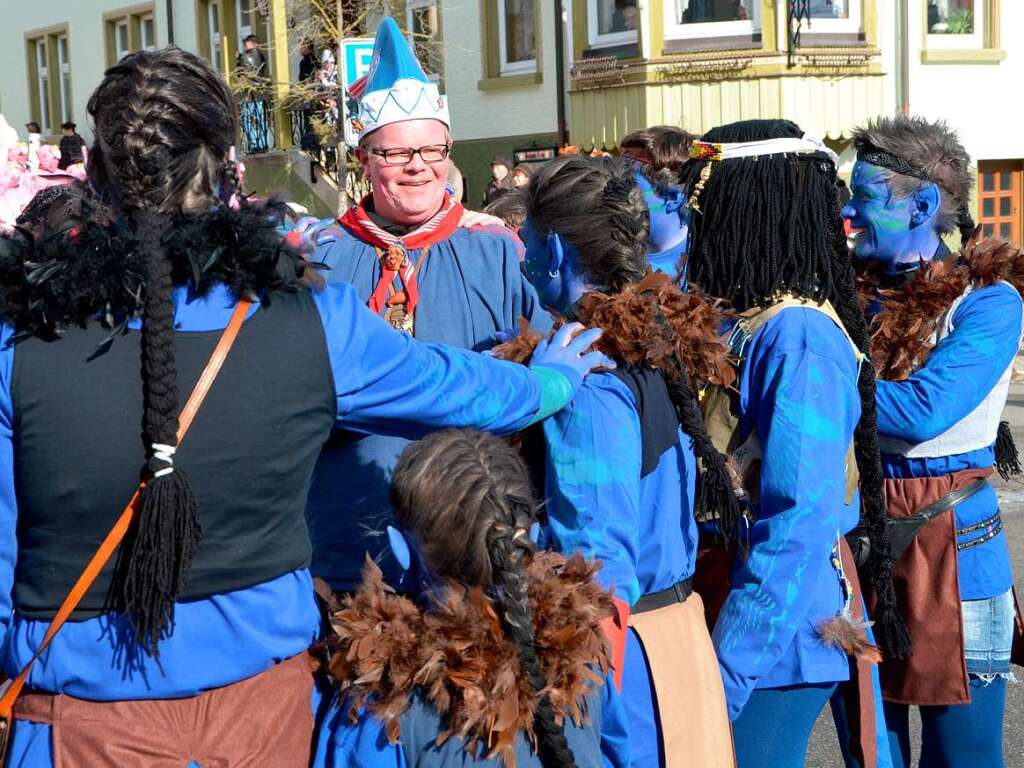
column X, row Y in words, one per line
column 983, row 102
column 85, row 26
column 480, row 114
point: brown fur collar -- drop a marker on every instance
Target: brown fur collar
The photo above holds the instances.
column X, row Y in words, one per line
column 901, row 333
column 386, row 648
column 644, row 324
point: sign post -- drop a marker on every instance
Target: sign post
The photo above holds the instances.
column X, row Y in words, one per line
column 356, row 55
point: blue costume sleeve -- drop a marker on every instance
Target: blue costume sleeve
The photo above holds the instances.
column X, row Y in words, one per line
column 614, row 727
column 959, row 373
column 387, row 383
column 799, row 394
column 593, row 480
column 8, row 500
column 363, row 744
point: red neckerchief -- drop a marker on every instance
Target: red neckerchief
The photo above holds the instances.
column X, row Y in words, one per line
column 394, row 262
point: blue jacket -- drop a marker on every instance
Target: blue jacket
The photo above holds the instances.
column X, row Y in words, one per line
column 958, row 374
column 798, row 390
column 470, row 288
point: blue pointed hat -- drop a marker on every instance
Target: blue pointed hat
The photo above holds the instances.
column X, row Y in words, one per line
column 395, row 88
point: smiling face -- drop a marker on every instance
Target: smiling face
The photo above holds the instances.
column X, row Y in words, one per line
column 886, row 228
column 406, row 194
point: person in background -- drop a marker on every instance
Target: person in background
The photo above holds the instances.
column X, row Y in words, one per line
column 307, row 61
column 251, row 58
column 404, row 251
column 328, row 72
column 32, row 128
column 658, row 154
column 546, row 652
column 501, row 180
column 618, row 467
column 946, row 328
column 521, row 175
column 511, row 209
column 799, row 425
column 72, row 146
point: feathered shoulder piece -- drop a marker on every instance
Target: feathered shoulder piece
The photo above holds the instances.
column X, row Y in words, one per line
column 70, row 261
column 456, row 655
column 902, row 332
column 646, row 324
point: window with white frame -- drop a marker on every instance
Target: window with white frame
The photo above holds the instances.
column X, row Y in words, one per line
column 956, row 24
column 517, row 36
column 612, row 22
column 147, row 32
column 690, row 19
column 831, row 16
column 122, row 40
column 213, row 21
column 43, row 85
column 64, row 65
column 245, row 18
column 423, row 22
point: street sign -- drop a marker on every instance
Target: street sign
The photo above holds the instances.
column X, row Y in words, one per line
column 356, row 55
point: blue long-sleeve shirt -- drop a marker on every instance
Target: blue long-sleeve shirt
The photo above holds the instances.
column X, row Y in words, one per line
column 384, row 382
column 957, row 376
column 470, row 287
column 798, row 391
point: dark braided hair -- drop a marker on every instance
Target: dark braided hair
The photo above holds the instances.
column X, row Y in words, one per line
column 771, row 225
column 596, row 205
column 476, row 484
column 164, row 123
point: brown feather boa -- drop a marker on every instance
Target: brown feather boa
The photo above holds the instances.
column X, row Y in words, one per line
column 644, row 325
column 385, row 648
column 901, row 333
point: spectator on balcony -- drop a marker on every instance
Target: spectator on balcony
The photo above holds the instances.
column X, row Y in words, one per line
column 328, row 72
column 251, row 59
column 307, row 62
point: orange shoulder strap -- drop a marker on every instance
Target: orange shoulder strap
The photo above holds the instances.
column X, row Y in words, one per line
column 117, row 533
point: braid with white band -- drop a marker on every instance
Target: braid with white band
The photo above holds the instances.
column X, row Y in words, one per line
column 164, row 453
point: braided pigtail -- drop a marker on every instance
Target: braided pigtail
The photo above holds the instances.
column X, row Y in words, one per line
column 510, row 549
column 164, row 123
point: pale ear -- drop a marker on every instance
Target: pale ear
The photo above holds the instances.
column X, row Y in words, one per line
column 363, row 156
column 927, row 201
column 556, row 253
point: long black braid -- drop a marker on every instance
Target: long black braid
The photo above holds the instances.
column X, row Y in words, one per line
column 164, row 123
column 769, row 226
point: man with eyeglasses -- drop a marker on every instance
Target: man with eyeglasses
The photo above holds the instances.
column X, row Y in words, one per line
column 404, row 250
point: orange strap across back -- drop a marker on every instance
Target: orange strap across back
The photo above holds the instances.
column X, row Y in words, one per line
column 117, row 533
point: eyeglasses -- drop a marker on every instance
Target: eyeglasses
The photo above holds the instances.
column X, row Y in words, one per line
column 433, row 153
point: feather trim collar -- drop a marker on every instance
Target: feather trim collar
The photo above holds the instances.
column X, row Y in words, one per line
column 902, row 333
column 457, row 656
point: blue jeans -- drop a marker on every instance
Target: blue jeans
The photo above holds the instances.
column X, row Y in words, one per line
column 775, row 726
column 965, row 735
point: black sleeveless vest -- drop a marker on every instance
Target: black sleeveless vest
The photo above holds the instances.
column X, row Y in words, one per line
column 249, row 454
column 659, row 422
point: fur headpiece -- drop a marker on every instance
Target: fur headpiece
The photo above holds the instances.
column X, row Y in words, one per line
column 456, row 655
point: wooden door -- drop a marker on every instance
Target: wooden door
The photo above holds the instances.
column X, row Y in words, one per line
column 1000, row 190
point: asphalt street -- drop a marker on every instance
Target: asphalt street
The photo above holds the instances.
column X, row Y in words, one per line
column 824, row 753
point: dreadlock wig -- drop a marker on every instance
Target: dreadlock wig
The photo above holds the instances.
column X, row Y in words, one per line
column 770, row 225
column 913, row 153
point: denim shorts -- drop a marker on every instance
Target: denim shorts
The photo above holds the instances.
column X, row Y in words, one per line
column 988, row 634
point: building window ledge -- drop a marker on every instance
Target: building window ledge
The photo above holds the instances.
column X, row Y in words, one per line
column 968, row 56
column 510, row 81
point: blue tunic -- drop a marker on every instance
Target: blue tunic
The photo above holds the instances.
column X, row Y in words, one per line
column 470, row 287
column 642, row 529
column 957, row 376
column 385, row 383
column 798, row 390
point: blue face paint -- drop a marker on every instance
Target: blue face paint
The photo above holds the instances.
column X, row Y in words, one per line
column 669, row 215
column 552, row 267
column 899, row 233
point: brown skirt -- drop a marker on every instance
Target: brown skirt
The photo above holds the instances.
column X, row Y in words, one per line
column 687, row 685
column 928, row 593
column 265, row 720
